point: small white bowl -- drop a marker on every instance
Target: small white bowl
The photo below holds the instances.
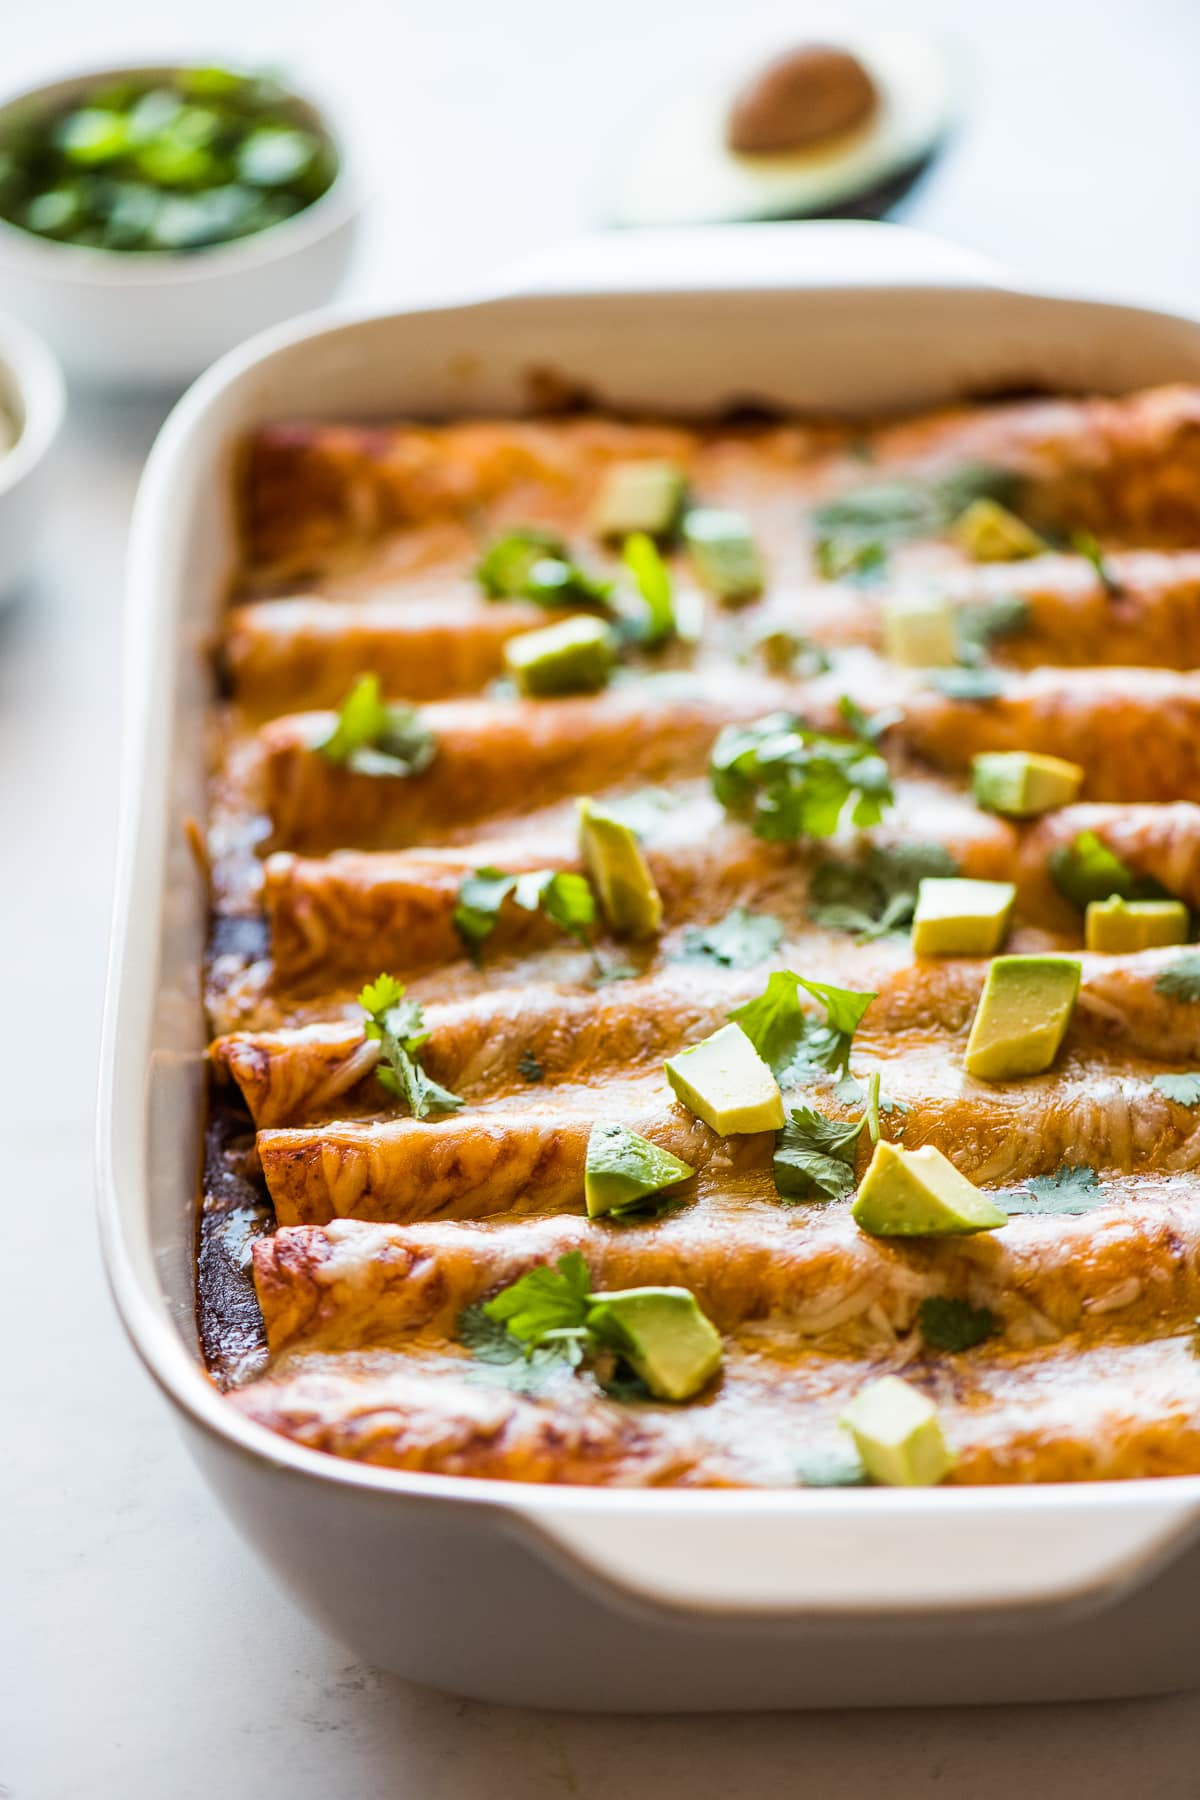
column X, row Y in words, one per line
column 155, row 319
column 33, row 399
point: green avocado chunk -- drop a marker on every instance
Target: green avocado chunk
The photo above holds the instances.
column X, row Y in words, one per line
column 897, row 1434
column 1115, row 924
column 575, row 656
column 956, row 917
column 989, row 532
column 663, row 1336
column 639, row 496
column 619, row 872
column 1022, row 1016
column 919, row 632
column 920, row 1193
column 1021, row 784
column 623, row 1168
column 724, row 555
column 725, row 1082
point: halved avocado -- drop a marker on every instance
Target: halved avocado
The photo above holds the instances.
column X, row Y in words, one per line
column 812, row 144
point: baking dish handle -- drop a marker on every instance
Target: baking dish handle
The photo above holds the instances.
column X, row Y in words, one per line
column 862, row 1554
column 826, row 253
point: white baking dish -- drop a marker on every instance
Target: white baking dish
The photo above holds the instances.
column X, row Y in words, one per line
column 575, row 1597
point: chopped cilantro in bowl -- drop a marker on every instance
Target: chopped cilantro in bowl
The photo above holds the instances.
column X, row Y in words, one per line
column 161, row 161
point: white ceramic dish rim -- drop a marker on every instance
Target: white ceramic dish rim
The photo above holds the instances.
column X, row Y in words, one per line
column 37, row 381
column 95, row 266
column 868, row 1554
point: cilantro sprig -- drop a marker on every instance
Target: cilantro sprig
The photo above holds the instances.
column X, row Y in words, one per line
column 563, row 897
column 398, row 1026
column 529, row 564
column 954, row 1325
column 816, row 1155
column 652, row 578
column 1180, row 980
column 878, row 894
column 1086, row 545
column 789, row 782
column 854, row 533
column 1184, row 1090
column 372, row 736
column 1073, row 1188
column 791, row 1040
column 740, row 940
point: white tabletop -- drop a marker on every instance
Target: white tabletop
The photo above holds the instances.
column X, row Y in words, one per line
column 143, row 1654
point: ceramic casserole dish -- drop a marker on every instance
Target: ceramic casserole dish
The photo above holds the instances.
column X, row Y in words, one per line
column 572, row 1597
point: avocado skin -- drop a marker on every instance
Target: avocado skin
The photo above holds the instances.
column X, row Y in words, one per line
column 663, row 1336
column 1022, row 1016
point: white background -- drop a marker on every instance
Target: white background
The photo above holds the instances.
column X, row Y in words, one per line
column 142, row 1654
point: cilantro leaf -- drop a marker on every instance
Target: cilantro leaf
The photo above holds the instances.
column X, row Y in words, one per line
column 528, row 564
column 878, row 894
column 1085, row 544
column 653, row 581
column 738, row 941
column 954, row 1324
column 372, row 737
column 398, row 1026
column 968, row 683
column 1180, row 980
column 499, row 1360
column 814, row 1152
column 788, row 653
column 789, row 1039
column 978, row 625
column 1071, row 1189
column 831, row 1465
column 529, row 1068
column 789, row 782
column 545, row 1303
column 565, row 898
column 1184, row 1090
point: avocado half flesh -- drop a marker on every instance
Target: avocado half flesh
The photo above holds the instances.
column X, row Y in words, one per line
column 664, row 1337
column 684, row 173
column 1022, row 1017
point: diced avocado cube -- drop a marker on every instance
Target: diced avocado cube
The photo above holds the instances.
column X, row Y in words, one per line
column 575, row 656
column 919, row 632
column 724, row 554
column 988, row 532
column 639, row 496
column 897, row 1435
column 956, row 917
column 663, row 1336
column 623, row 1168
column 920, row 1193
column 1021, row 784
column 1022, row 1016
column 619, row 873
column 725, row 1082
column 1117, row 924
